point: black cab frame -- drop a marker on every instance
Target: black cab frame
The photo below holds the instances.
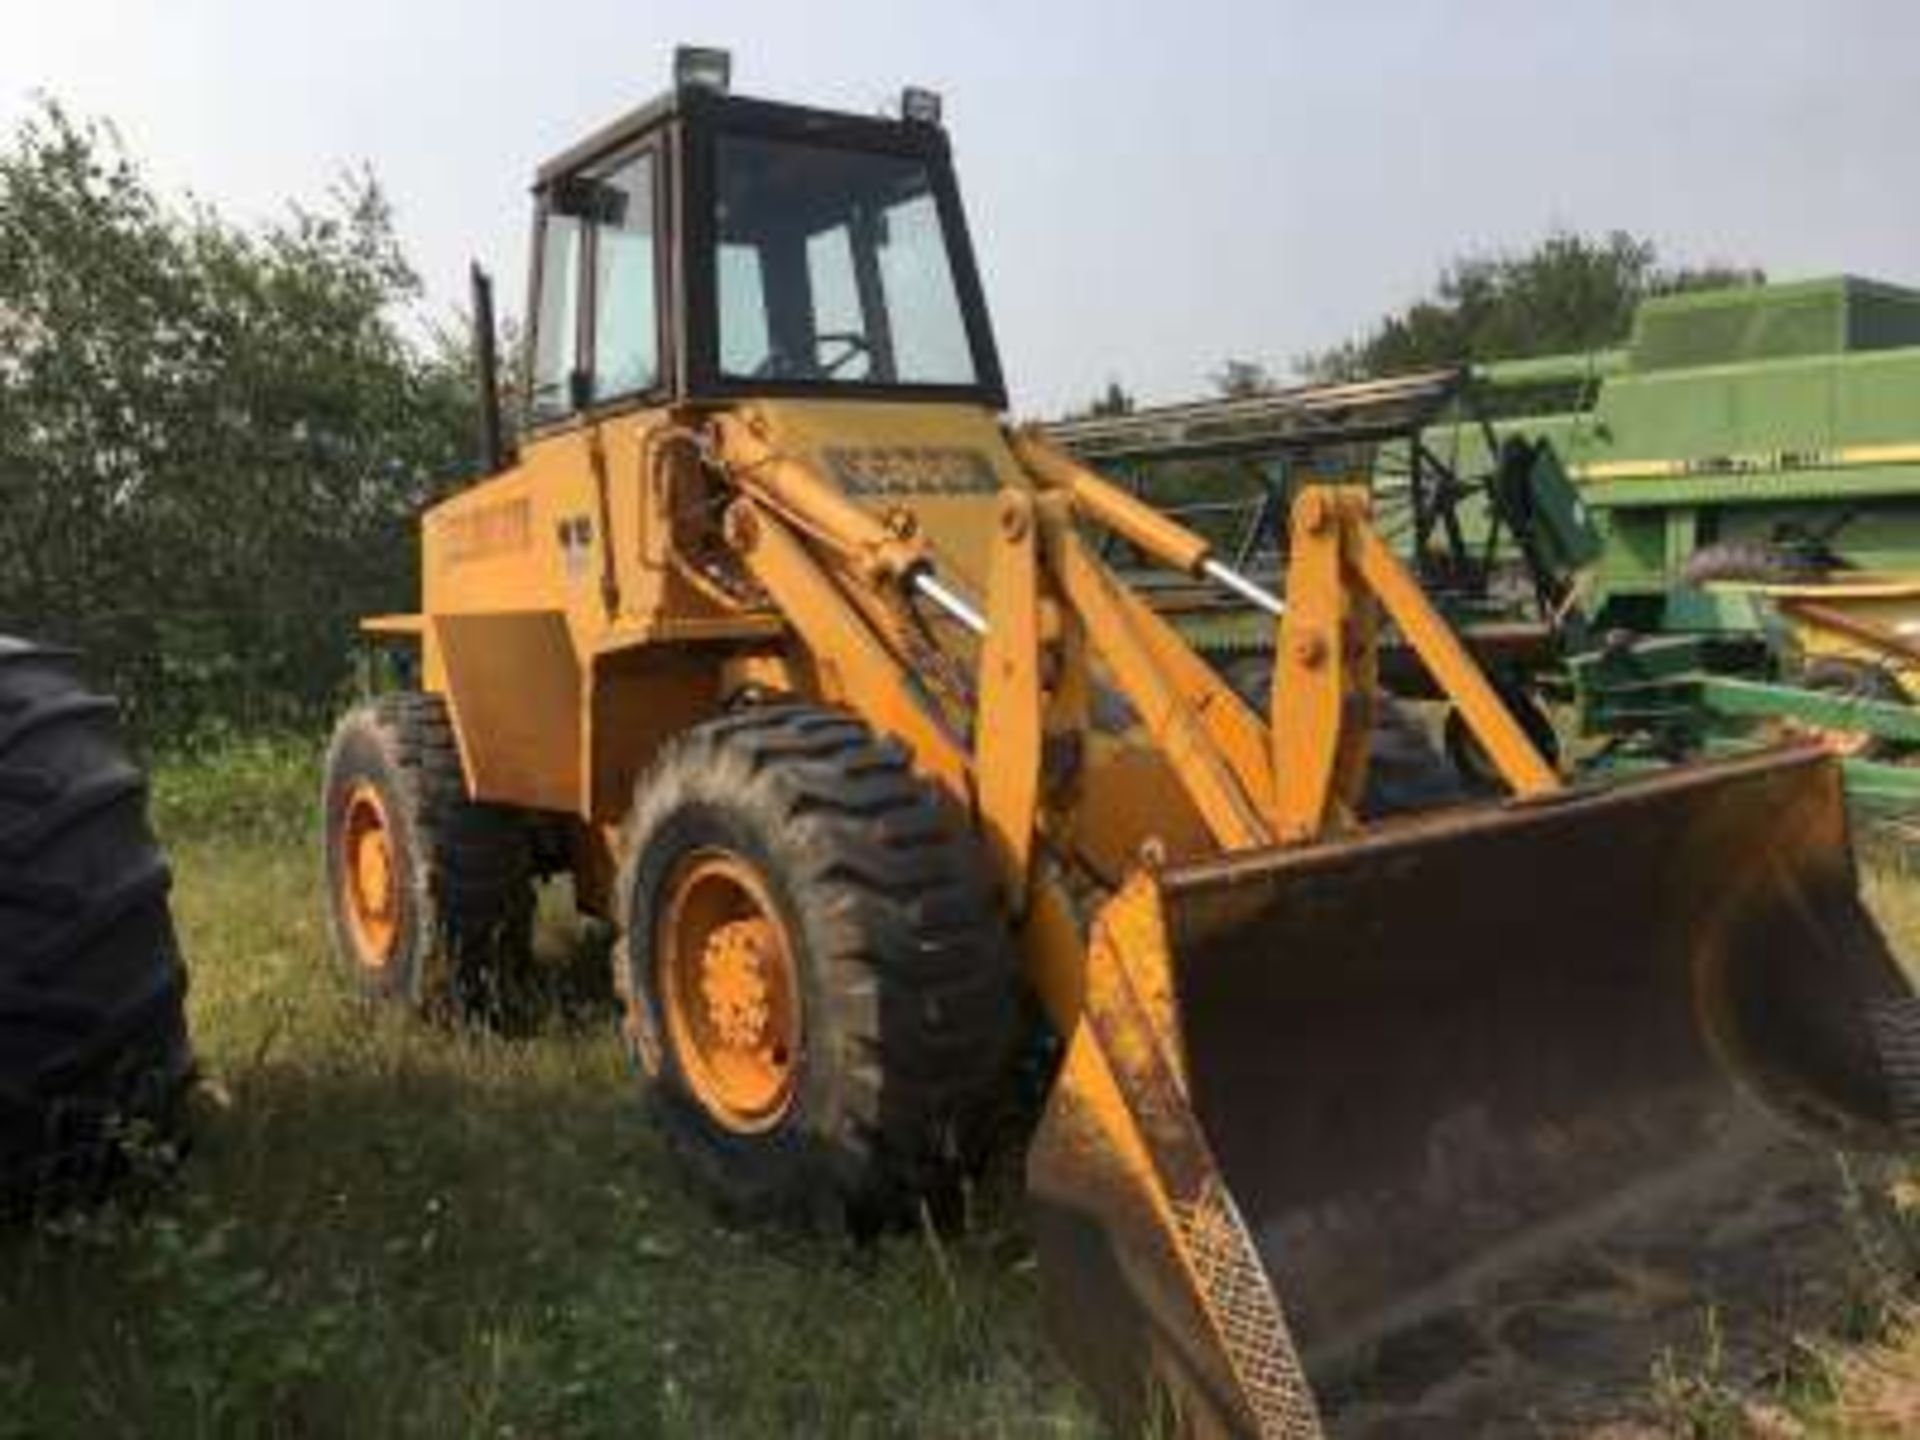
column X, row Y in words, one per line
column 663, row 157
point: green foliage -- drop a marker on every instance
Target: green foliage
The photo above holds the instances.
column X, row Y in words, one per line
column 213, row 440
column 1568, row 293
column 257, row 788
column 1114, row 400
column 1237, row 379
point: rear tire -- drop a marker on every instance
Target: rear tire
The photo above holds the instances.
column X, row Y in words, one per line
column 881, row 1010
column 429, row 894
column 93, row 1036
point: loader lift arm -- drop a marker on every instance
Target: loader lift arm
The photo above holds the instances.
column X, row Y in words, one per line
column 827, row 561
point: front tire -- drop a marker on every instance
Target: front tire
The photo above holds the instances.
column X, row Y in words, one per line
column 429, row 893
column 816, row 976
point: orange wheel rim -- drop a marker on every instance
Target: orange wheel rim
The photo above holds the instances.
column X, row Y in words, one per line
column 369, row 877
column 729, row 991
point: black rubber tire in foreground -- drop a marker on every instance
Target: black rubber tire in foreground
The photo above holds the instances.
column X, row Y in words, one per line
column 94, row 1058
column 908, row 997
column 464, row 870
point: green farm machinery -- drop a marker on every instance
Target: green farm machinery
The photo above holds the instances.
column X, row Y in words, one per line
column 1764, row 432
column 1709, row 533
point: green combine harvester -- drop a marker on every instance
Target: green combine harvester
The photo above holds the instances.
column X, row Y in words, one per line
column 1779, row 423
column 1709, row 533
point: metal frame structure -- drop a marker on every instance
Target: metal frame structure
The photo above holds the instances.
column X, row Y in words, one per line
column 1341, row 426
column 1449, row 526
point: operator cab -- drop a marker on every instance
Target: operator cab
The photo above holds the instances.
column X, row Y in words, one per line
column 708, row 247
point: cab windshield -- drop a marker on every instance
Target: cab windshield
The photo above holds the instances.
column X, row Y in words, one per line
column 833, row 268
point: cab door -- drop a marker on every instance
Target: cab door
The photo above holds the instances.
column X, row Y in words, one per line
column 597, row 372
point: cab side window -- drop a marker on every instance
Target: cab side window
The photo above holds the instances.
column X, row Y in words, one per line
column 744, row 344
column 596, row 317
column 556, row 323
column 626, row 327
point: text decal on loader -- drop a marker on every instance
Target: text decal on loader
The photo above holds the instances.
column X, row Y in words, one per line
column 902, row 470
column 503, row 528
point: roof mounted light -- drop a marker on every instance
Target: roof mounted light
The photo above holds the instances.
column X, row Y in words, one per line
column 702, row 67
column 920, row 106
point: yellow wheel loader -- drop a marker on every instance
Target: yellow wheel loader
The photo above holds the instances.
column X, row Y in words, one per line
column 774, row 638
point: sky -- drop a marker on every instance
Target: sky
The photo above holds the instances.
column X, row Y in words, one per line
column 1151, row 187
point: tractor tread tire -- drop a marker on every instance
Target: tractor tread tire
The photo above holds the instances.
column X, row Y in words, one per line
column 910, row 1009
column 93, row 1034
column 468, row 898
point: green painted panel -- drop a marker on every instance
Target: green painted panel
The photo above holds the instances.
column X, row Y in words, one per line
column 1635, row 553
column 1748, row 323
column 1877, row 787
column 1784, row 407
column 1660, row 417
column 1862, row 482
column 1828, row 316
column 1878, row 399
column 1751, row 700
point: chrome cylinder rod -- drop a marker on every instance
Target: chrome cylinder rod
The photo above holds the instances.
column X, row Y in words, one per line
column 1239, row 584
column 954, row 605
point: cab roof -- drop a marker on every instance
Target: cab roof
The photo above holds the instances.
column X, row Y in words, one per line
column 712, row 109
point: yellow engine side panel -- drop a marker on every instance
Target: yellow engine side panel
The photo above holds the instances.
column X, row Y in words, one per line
column 532, row 581
column 507, row 622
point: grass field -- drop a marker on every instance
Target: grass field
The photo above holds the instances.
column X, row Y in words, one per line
column 383, row 1230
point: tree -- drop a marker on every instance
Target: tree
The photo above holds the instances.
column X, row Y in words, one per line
column 1568, row 293
column 1114, row 400
column 213, row 441
column 1237, row 379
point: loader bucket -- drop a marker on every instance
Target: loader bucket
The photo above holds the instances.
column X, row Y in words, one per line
column 1318, row 1094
